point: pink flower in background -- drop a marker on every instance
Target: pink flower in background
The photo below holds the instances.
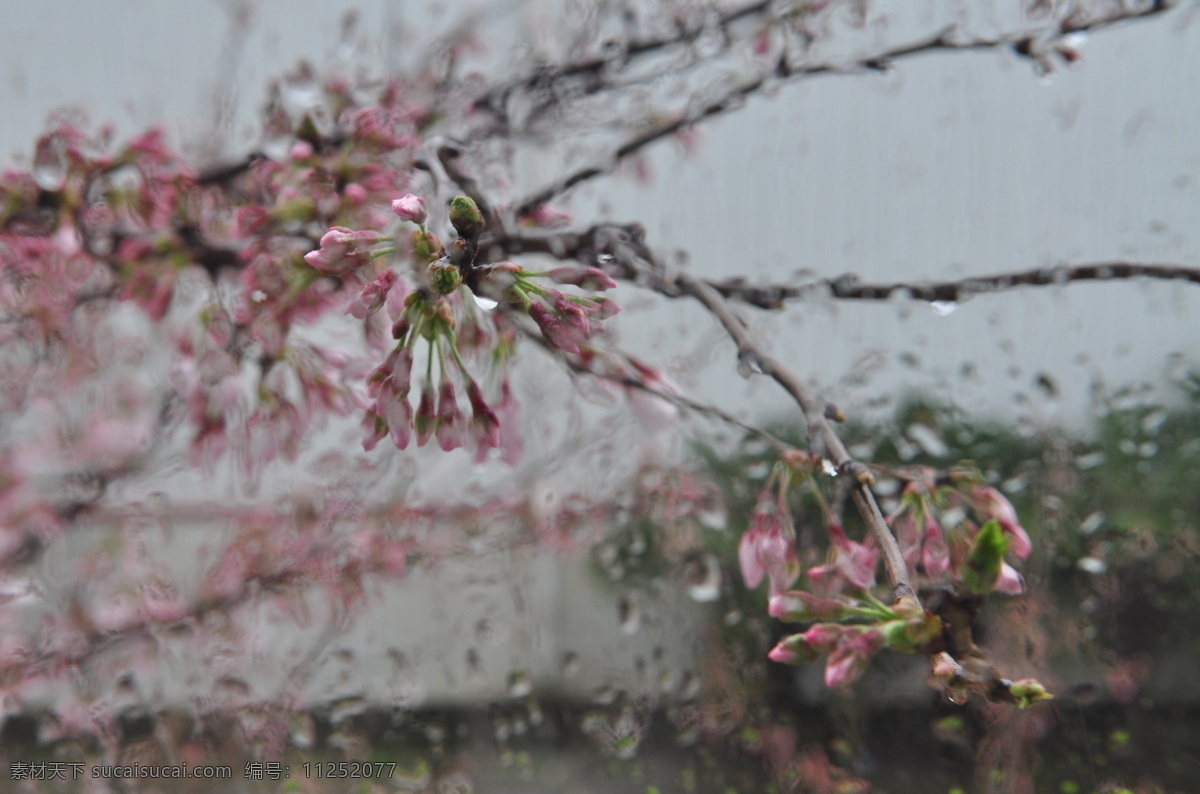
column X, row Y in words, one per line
column 507, row 412
column 653, row 411
column 546, row 217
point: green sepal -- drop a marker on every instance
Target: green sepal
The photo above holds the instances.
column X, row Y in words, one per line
column 985, row 559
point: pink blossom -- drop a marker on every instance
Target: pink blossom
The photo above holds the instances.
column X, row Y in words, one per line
column 511, row 446
column 768, row 548
column 1009, row 582
column 855, row 648
column 301, row 150
column 853, row 564
column 341, row 250
column 574, row 314
column 450, row 420
column 425, row 421
column 374, row 428
column 410, row 208
column 563, row 337
column 394, row 407
column 589, row 278
column 804, row 648
column 485, row 426
column 994, row 505
column 371, row 298
column 935, row 554
column 653, row 411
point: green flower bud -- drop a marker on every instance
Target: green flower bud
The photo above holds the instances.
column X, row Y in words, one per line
column 910, row 636
column 985, row 559
column 465, row 217
column 445, row 276
column 426, row 247
column 1027, row 691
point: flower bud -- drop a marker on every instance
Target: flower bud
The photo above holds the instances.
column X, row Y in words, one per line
column 795, row 649
column 426, row 247
column 589, row 278
column 465, row 217
column 796, row 606
column 410, row 208
column 1027, row 691
column 445, row 276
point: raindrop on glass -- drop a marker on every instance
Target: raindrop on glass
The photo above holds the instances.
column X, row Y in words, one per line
column 630, row 616
column 519, row 684
column 748, row 364
column 703, row 577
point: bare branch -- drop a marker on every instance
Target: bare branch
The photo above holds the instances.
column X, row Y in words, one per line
column 1037, row 46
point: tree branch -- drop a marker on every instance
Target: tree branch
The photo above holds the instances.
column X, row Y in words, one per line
column 1035, row 45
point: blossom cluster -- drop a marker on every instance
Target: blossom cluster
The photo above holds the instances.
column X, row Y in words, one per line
column 952, row 531
column 439, row 322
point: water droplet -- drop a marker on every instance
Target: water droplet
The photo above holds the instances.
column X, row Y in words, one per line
column 748, row 364
column 943, row 308
column 347, row 708
column 233, row 688
column 302, row 732
column 519, row 684
column 1092, row 522
column 501, row 729
column 398, row 659
column 630, row 616
column 928, row 439
column 50, row 164
column 605, row 695
column 487, row 304
column 703, row 577
column 828, row 467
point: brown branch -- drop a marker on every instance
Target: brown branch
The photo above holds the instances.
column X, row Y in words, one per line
column 848, row 286
column 819, row 428
column 589, row 71
column 1034, row 45
column 614, row 247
